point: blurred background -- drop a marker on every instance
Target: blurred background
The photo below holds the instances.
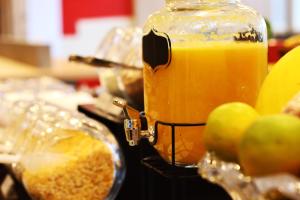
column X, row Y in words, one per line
column 69, row 26
column 37, row 36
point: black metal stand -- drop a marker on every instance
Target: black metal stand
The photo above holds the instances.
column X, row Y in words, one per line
column 149, row 177
column 173, row 128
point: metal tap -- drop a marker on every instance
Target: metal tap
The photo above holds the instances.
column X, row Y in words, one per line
column 135, row 124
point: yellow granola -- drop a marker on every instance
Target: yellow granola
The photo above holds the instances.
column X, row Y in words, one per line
column 87, row 175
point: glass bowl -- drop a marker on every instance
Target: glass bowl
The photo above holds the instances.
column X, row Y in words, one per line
column 242, row 187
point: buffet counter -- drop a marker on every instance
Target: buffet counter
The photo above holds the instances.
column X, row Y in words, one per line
column 59, row 69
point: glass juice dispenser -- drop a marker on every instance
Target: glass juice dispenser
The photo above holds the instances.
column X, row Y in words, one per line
column 197, row 55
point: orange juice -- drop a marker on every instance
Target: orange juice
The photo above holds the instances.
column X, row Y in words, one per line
column 200, row 77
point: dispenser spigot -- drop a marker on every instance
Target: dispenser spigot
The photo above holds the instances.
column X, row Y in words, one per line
column 135, row 124
column 132, row 131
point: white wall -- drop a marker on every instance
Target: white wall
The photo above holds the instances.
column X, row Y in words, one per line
column 262, row 6
column 275, row 10
column 44, row 23
column 278, row 16
column 143, row 8
column 296, row 16
column 43, row 19
column 89, row 34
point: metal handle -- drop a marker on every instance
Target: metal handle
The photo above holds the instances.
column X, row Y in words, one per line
column 130, row 113
column 98, row 62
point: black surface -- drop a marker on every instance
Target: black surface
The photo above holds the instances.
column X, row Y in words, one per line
column 15, row 190
column 149, row 177
column 166, row 170
column 164, row 181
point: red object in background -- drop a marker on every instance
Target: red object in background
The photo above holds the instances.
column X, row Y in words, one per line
column 275, row 50
column 91, row 83
column 73, row 10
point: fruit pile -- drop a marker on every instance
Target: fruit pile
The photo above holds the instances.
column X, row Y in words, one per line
column 266, row 139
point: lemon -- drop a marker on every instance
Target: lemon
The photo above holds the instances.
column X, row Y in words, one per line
column 225, row 127
column 271, row 145
column 281, row 84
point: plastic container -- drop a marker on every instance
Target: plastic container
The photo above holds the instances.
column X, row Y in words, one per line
column 199, row 54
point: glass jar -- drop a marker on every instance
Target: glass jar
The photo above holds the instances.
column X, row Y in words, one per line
column 197, row 55
column 61, row 154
